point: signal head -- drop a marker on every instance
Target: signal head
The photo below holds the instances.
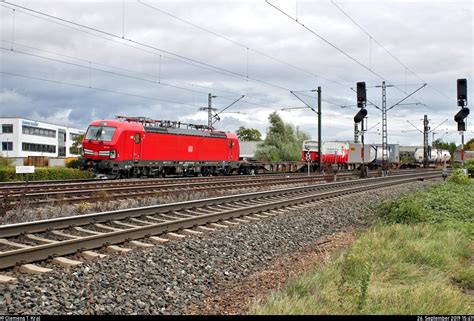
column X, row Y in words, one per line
column 463, row 113
column 360, row 115
column 361, row 94
column 462, row 89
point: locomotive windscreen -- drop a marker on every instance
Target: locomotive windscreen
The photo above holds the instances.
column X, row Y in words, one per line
column 101, row 133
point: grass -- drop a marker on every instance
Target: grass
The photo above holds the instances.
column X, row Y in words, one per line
column 417, row 259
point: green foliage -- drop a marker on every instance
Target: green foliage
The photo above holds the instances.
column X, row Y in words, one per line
column 43, row 173
column 439, row 144
column 406, row 159
column 282, row 143
column 414, row 261
column 469, row 165
column 448, row 202
column 82, row 207
column 403, row 211
column 73, row 163
column 391, row 269
column 75, row 149
column 459, row 177
column 353, row 281
column 7, row 174
column 5, row 162
column 248, row 134
column 469, row 145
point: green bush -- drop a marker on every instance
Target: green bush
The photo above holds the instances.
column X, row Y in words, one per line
column 470, row 167
column 5, row 162
column 43, row 173
column 459, row 177
column 443, row 203
column 403, row 211
column 75, row 163
column 7, row 174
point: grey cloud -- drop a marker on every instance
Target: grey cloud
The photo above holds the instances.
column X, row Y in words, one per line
column 426, row 36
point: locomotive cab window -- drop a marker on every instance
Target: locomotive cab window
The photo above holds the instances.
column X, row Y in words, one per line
column 137, row 138
column 101, row 133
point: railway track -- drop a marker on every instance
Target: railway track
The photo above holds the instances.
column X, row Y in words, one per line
column 120, row 190
column 34, row 241
column 74, row 192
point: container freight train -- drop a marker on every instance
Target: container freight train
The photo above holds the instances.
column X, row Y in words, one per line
column 414, row 158
column 348, row 155
column 142, row 147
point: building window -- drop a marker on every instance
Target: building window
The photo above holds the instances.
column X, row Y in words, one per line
column 7, row 145
column 29, row 130
column 7, row 128
column 61, row 151
column 29, row 147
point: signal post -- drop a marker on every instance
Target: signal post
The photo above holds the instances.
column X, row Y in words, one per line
column 463, row 113
column 359, row 117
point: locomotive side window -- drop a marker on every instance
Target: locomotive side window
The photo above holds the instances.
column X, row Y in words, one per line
column 101, row 133
column 137, row 138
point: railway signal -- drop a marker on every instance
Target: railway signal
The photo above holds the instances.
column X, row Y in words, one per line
column 361, row 103
column 462, row 91
column 359, row 117
column 361, row 95
column 463, row 113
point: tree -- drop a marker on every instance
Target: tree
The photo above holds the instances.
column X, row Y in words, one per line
column 76, row 147
column 248, row 134
column 451, row 147
column 469, row 145
column 282, row 143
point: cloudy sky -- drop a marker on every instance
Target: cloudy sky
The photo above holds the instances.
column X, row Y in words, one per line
column 71, row 62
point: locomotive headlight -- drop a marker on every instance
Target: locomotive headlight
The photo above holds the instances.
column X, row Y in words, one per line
column 113, row 154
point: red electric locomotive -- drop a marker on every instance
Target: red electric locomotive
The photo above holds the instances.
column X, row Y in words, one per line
column 138, row 146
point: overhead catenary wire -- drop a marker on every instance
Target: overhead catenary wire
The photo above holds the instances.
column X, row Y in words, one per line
column 240, row 44
column 98, row 69
column 36, row 13
column 119, row 68
column 357, row 61
column 94, row 88
column 187, row 60
column 144, row 50
column 385, row 49
column 128, row 40
column 90, row 68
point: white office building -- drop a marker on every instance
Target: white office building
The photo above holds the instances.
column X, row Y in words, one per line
column 21, row 137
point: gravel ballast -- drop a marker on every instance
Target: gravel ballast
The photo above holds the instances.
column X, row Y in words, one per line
column 169, row 278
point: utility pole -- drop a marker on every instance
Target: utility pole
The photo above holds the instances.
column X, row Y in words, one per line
column 209, row 110
column 318, row 113
column 384, row 130
column 384, row 111
column 425, row 140
column 319, row 129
